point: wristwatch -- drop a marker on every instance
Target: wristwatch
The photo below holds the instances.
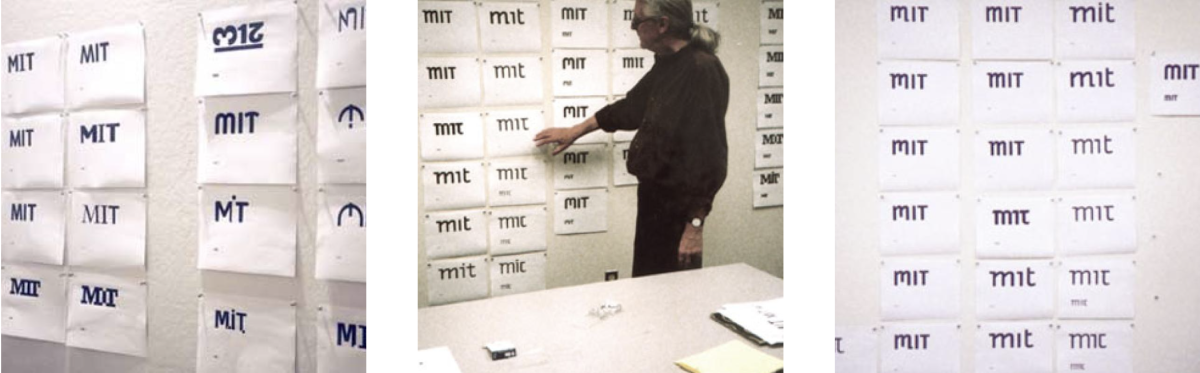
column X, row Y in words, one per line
column 697, row 222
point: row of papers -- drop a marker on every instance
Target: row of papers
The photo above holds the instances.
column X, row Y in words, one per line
column 103, row 149
column 462, row 279
column 101, row 68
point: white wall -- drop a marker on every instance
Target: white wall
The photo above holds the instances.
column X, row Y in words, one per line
column 1167, row 331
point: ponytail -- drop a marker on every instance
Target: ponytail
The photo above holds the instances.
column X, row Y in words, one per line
column 705, row 38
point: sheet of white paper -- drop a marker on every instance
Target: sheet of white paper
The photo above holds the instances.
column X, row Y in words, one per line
column 1086, row 29
column 448, row 82
column 1097, row 347
column 1014, row 289
column 1175, row 83
column 771, row 22
column 436, row 360
column 455, row 234
column 580, row 211
column 706, row 13
column 1021, row 347
column 918, row 159
column 1014, row 159
column 34, row 78
column 768, row 149
column 107, row 149
column 447, row 27
column 1014, row 227
column 770, row 66
column 342, row 233
column 342, row 52
column 918, row 93
column 342, row 136
column 919, row 224
column 457, row 280
column 510, row 27
column 770, row 108
column 452, row 136
column 582, row 167
column 510, row 133
column 36, row 227
column 579, row 24
column 1097, row 158
column 571, row 111
column 1096, row 288
column 106, row 67
column 621, row 15
column 517, row 181
column 107, row 230
column 34, row 302
column 579, row 72
column 768, row 187
column 247, row 50
column 457, row 185
column 920, row 348
column 621, row 175
column 341, row 339
column 33, row 154
column 628, row 67
column 919, row 289
column 517, row 274
column 1012, row 29
column 512, row 81
column 856, row 349
column 107, row 312
column 242, row 334
column 1096, row 91
column 920, row 29
column 248, row 229
column 248, row 140
column 517, row 230
column 1012, row 92
column 1090, row 225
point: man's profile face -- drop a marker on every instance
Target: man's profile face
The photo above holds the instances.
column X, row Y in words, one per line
column 647, row 30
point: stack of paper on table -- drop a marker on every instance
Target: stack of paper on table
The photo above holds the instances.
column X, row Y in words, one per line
column 761, row 322
column 731, row 357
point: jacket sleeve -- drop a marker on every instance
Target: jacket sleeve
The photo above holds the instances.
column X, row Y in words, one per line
column 627, row 113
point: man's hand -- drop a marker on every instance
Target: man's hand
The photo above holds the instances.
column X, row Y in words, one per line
column 564, row 137
column 691, row 247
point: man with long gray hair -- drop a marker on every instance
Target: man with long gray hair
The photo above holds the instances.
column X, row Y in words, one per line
column 679, row 154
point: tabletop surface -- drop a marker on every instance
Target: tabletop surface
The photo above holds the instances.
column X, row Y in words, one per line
column 664, row 318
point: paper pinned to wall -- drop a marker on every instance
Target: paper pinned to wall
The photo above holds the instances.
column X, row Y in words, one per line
column 1012, row 29
column 247, row 50
column 107, row 149
column 1014, row 227
column 579, row 24
column 1090, row 288
column 920, row 348
column 342, row 52
column 770, row 108
column 1097, row 158
column 918, row 159
column 1101, row 347
column 1091, row 225
column 342, row 233
column 106, row 67
column 770, row 66
column 517, row 274
column 457, row 280
column 511, row 27
column 1096, row 91
column 34, row 66
column 1020, row 347
column 1014, row 159
column 457, row 185
column 1174, row 83
column 34, row 303
column 248, row 229
column 1086, row 29
column 919, row 224
column 517, row 181
column 768, row 187
column 918, row 93
column 581, row 166
column 341, row 339
column 579, row 72
column 107, row 313
column 771, row 24
column 571, row 111
column 919, row 289
column 768, row 150
column 455, row 234
column 580, row 211
column 342, row 136
column 248, row 140
column 33, row 154
column 1014, row 290
column 511, row 133
column 1013, row 92
column 451, row 136
column 447, row 27
column 621, row 15
column 444, row 82
column 628, row 67
column 36, row 227
column 621, row 175
column 856, row 349
column 510, row 81
column 107, row 230
column 238, row 333
column 923, row 29
column 517, row 230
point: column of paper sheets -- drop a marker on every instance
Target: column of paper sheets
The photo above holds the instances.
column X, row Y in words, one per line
column 75, row 239
column 767, row 176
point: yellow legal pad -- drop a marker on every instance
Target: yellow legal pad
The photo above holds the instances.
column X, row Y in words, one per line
column 731, row 357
